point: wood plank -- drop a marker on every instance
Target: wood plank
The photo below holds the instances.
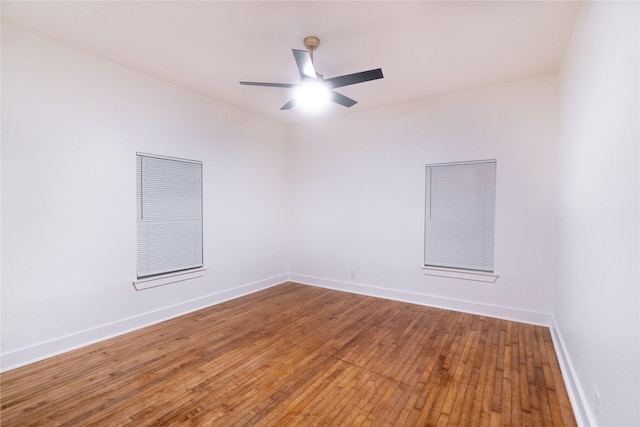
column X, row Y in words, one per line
column 300, row 355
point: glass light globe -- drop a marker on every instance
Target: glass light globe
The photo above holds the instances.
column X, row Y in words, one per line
column 312, row 96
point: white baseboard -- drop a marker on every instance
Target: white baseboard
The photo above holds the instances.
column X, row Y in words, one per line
column 571, row 381
column 506, row 313
column 44, row 350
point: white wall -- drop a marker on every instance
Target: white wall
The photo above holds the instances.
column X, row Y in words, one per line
column 599, row 242
column 71, row 126
column 351, row 191
column 358, row 197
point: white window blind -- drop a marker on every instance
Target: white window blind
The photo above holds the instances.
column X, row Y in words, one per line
column 460, row 215
column 169, row 214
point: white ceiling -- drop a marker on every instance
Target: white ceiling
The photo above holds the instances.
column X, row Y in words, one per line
column 424, row 48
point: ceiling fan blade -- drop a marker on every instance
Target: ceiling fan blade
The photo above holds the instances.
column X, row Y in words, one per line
column 289, row 104
column 269, row 84
column 305, row 65
column 339, row 98
column 351, row 79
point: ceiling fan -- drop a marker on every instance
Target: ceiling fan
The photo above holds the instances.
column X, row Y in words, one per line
column 311, row 81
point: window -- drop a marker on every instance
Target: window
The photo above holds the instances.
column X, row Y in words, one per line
column 460, row 215
column 169, row 215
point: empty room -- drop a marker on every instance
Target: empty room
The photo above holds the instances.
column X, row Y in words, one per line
column 312, row 213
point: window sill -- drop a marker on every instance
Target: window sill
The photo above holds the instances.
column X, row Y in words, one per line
column 152, row 282
column 475, row 276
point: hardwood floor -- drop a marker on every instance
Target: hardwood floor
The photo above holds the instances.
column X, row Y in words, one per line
column 299, row 355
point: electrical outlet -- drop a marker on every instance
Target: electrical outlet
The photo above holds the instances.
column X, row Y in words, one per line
column 353, row 274
column 597, row 404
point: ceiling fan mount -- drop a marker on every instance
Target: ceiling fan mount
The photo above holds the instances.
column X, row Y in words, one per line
column 306, row 68
column 311, row 43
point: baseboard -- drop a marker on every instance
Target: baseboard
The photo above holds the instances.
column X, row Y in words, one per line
column 506, row 313
column 44, row 350
column 571, row 381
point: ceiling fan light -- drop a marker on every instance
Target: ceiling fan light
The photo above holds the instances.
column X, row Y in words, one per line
column 312, row 96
